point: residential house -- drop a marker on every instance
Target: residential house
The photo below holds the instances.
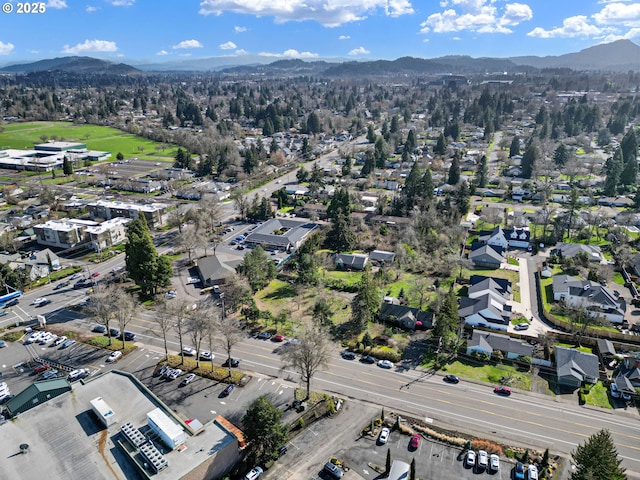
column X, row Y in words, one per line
column 606, row 350
column 596, row 299
column 485, row 311
column 499, row 237
column 518, row 237
column 573, row 367
column 624, row 384
column 486, row 256
column 213, row 272
column 499, row 288
column 487, row 342
column 382, row 257
column 406, row 317
column 571, row 250
column 615, row 201
column 350, row 261
column 630, row 368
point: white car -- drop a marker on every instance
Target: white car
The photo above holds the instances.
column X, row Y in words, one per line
column 384, row 436
column 115, row 355
column 192, row 280
column 385, row 364
column 175, row 373
column 77, row 374
column 59, row 341
column 483, row 459
column 521, row 326
column 254, row 473
column 494, row 462
column 38, row 302
column 188, row 379
column 189, row 351
column 532, row 472
column 470, row 459
column 170, row 294
column 206, row 355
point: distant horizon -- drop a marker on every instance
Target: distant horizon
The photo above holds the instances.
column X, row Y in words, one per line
column 141, row 32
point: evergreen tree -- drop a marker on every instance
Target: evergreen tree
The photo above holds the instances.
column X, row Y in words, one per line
column 120, row 156
column 306, row 149
column 258, row 268
column 341, row 238
column 302, row 175
column 313, row 123
column 441, row 146
column 529, row 160
column 482, row 172
column 560, row 155
column 144, row 266
column 379, row 153
column 412, row 186
column 264, row 428
column 427, row 185
column 340, row 203
column 514, row 149
column 395, row 126
column 369, row 164
column 454, row 170
column 629, row 148
column 346, row 166
column 614, row 170
column 463, row 196
column 366, row 304
column 371, row 134
column 410, row 144
column 67, row 167
column 597, row 459
column 388, row 461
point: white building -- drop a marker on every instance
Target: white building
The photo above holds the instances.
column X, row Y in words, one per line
column 155, row 213
column 62, row 233
column 108, row 233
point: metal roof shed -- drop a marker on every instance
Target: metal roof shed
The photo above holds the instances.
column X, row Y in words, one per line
column 35, row 394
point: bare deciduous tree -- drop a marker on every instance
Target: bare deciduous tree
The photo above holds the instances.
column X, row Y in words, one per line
column 309, row 356
column 197, row 326
column 102, row 306
column 230, row 333
column 124, row 310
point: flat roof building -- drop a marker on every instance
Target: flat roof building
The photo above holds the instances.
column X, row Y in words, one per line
column 62, row 233
column 155, row 213
column 108, row 233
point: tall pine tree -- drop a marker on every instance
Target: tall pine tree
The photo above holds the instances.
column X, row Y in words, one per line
column 597, row 459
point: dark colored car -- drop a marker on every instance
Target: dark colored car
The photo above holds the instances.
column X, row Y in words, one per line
column 128, row 336
column 502, row 390
column 414, row 443
column 99, row 329
column 264, row 335
column 234, row 362
column 277, row 338
column 282, row 450
column 227, row 391
column 11, row 303
column 81, row 284
column 348, row 355
column 367, row 359
column 114, row 332
column 451, row 379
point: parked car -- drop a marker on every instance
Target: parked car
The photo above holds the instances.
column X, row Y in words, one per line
column 67, row 344
column 282, row 450
column 518, row 471
column 189, row 351
column 384, row 436
column 494, row 462
column 470, row 459
column 532, row 472
column 3, row 344
column 277, row 338
column 234, row 363
column 206, row 355
column 333, row 470
column 170, row 294
column 613, row 389
column 483, row 459
column 254, row 473
column 59, row 341
column 175, row 373
column 264, row 335
column 414, row 443
column 451, row 379
column 161, row 371
column 77, row 374
column 99, row 329
column 49, row 374
column 114, row 356
column 502, row 390
column 521, row 326
column 347, row 355
column 128, row 336
column 41, row 368
column 367, row 359
column 385, row 364
column 40, row 302
column 188, row 379
column 227, row 391
column 114, row 332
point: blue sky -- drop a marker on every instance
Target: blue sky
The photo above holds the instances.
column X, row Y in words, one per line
column 167, row 30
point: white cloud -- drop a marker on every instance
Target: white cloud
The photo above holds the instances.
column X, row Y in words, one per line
column 480, row 16
column 91, row 9
column 187, row 44
column 619, row 14
column 241, row 52
column 577, row 26
column 227, row 46
column 359, row 51
column 632, row 34
column 122, row 3
column 344, row 37
column 57, row 4
column 90, row 46
column 291, row 53
column 162, row 52
column 329, row 13
column 6, row 48
column 239, row 29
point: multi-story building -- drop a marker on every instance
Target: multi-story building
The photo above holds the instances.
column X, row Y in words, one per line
column 154, row 213
column 108, row 233
column 63, row 233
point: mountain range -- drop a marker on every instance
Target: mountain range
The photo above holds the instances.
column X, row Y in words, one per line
column 621, row 56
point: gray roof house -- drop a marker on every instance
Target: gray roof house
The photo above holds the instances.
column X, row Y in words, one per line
column 352, row 261
column 213, row 272
column 382, row 256
column 596, row 299
column 488, row 342
column 486, row 256
column 407, row 317
column 573, row 367
column 485, row 311
column 498, row 287
column 570, row 250
column 280, row 233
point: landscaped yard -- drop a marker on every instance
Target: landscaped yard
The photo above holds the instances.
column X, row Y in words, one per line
column 598, row 396
column 513, row 277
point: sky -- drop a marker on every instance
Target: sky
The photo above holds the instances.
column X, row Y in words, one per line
column 154, row 31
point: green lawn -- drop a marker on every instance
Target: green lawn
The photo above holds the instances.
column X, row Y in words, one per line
column 513, row 277
column 598, row 396
column 571, row 345
column 617, row 278
column 485, row 373
column 25, row 135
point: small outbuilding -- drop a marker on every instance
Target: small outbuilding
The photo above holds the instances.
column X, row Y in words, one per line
column 36, row 394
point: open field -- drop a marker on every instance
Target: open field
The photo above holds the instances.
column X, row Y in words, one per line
column 25, row 135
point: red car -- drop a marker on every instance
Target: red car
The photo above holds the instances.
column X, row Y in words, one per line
column 414, row 443
column 96, row 274
column 502, row 390
column 277, row 338
column 41, row 369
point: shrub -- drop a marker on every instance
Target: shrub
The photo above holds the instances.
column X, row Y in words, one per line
column 301, row 422
column 13, row 336
column 486, row 445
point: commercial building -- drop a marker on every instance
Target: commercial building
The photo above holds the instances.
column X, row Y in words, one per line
column 63, row 233
column 280, row 234
column 45, row 157
column 154, row 213
column 108, row 233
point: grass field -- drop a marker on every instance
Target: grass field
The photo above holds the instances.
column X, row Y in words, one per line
column 25, row 135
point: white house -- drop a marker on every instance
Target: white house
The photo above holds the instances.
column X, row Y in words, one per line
column 596, row 299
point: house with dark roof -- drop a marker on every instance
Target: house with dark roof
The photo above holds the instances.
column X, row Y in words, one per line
column 571, row 250
column 406, row 317
column 214, row 272
column 504, row 238
column 280, row 234
column 486, row 256
column 630, row 368
column 485, row 311
column 500, row 288
column 350, row 261
column 487, row 342
column 596, row 299
column 606, row 350
column 573, row 367
column 382, row 257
